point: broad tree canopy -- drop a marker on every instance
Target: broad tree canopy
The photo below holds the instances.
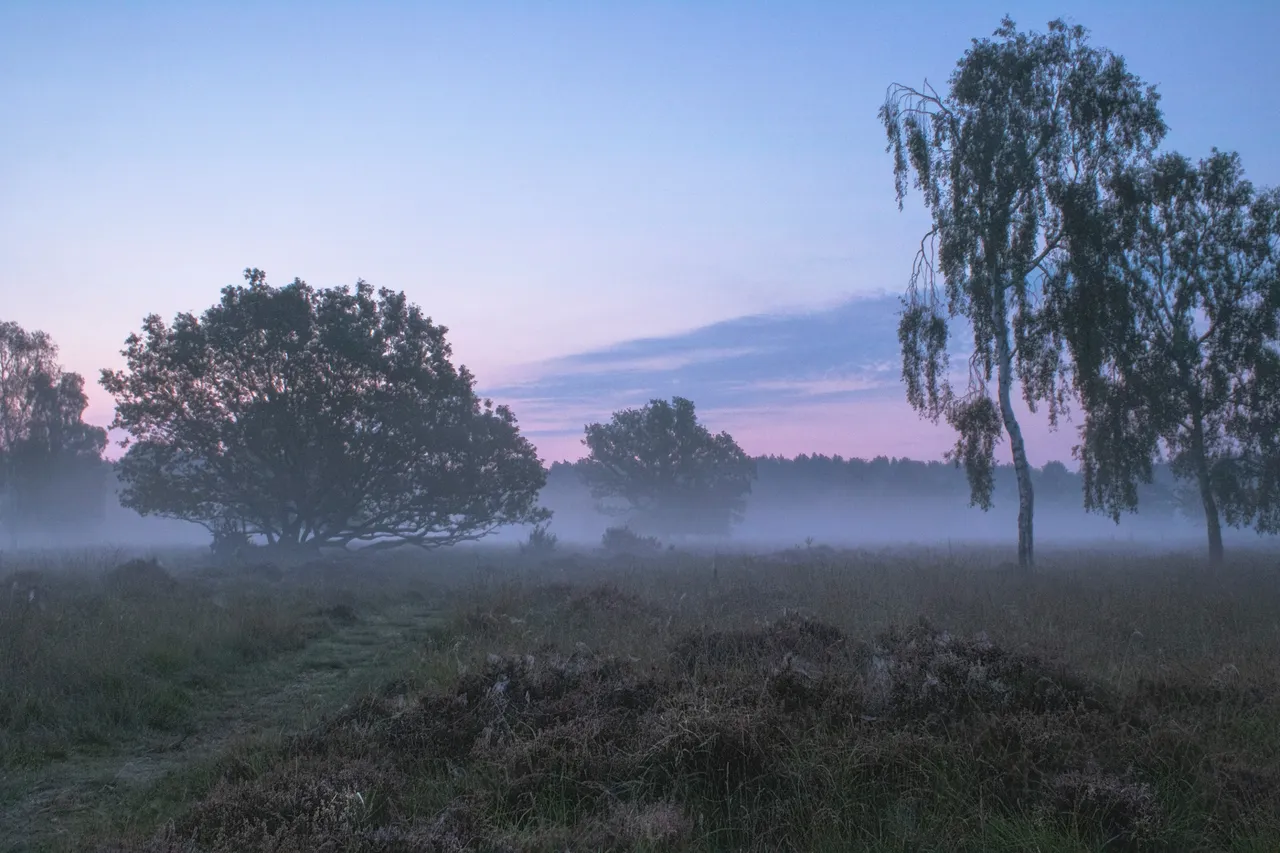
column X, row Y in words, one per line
column 667, row 469
column 1174, row 330
column 317, row 417
column 1028, row 120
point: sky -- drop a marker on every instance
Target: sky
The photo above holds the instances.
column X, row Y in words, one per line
column 819, row 381
column 603, row 202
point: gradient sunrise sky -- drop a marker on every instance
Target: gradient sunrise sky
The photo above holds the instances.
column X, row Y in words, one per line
column 603, row 201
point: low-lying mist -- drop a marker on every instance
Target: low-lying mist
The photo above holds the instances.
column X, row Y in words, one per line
column 922, row 522
column 899, row 507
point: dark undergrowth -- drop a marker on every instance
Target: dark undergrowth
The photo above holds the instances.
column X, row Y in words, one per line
column 672, row 708
column 99, row 650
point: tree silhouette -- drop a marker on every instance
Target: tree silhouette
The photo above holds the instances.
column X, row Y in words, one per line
column 317, row 417
column 1027, row 118
column 668, row 469
column 51, row 467
column 1174, row 329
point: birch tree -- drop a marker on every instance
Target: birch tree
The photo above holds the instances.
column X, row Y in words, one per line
column 1173, row 326
column 1025, row 118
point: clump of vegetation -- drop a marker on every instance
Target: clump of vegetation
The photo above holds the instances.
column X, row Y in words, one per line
column 788, row 735
column 778, row 706
column 928, row 674
column 264, row 571
column 25, row 590
column 541, row 542
column 342, row 614
column 140, row 578
column 230, row 541
column 625, row 541
column 89, row 659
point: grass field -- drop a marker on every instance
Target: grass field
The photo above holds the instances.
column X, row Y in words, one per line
column 808, row 699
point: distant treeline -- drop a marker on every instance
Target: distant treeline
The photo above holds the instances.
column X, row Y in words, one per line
column 783, row 481
column 56, row 499
column 52, row 476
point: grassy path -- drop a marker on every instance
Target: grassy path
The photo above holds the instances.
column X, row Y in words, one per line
column 53, row 807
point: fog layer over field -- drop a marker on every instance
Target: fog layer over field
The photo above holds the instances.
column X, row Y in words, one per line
column 841, row 503
column 925, row 521
column 866, row 521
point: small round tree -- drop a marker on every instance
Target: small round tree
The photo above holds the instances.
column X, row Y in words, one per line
column 668, row 470
column 317, row 417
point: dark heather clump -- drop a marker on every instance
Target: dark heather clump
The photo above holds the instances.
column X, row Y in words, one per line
column 623, row 541
column 607, row 598
column 139, row 579
column 742, row 734
column 921, row 672
column 269, row 572
column 341, row 614
column 792, row 637
column 1126, row 808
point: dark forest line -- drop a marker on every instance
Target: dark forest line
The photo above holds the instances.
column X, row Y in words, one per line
column 814, row 476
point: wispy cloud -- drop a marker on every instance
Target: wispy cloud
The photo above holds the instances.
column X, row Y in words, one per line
column 871, row 378
column 746, row 369
column 824, row 381
column 614, row 362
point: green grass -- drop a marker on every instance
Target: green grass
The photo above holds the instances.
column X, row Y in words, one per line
column 88, row 665
column 682, row 702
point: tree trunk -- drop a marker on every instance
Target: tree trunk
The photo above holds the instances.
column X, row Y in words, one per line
column 1026, row 497
column 10, row 497
column 1212, row 521
column 1214, row 524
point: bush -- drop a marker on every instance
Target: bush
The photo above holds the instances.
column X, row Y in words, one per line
column 139, row 578
column 230, row 542
column 624, row 540
column 540, row 543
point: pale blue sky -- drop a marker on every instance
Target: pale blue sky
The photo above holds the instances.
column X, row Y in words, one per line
column 544, row 178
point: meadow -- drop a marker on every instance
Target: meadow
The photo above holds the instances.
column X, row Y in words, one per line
column 483, row 699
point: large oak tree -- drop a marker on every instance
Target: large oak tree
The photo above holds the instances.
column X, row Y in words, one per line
column 1026, row 118
column 317, row 417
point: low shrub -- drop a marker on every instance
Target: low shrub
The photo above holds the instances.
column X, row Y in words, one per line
column 541, row 542
column 625, row 541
